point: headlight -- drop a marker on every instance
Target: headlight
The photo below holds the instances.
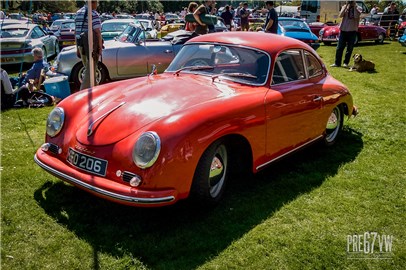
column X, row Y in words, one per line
column 55, row 121
column 146, row 149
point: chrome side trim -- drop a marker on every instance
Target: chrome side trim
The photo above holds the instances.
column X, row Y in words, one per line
column 287, row 153
column 90, row 128
column 102, row 191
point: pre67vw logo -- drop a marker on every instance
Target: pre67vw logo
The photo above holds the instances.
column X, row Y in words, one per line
column 88, row 163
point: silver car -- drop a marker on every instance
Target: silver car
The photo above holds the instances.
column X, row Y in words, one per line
column 17, row 41
column 129, row 55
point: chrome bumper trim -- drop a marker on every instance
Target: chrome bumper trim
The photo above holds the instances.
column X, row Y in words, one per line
column 293, row 150
column 102, row 191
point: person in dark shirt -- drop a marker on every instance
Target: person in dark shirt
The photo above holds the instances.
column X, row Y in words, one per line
column 201, row 28
column 227, row 17
column 271, row 24
column 244, row 14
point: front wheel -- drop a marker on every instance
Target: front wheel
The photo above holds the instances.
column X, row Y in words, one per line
column 78, row 73
column 334, row 126
column 211, row 175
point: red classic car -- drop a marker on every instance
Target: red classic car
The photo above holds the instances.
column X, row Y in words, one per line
column 226, row 104
column 366, row 32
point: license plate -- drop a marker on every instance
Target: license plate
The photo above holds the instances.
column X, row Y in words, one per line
column 8, row 59
column 87, row 163
column 68, row 42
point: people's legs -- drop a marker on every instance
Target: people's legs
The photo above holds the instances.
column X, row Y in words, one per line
column 340, row 48
column 6, row 83
column 86, row 78
column 350, row 46
column 23, row 93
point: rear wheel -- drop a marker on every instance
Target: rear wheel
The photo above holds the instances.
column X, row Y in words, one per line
column 357, row 39
column 211, row 175
column 380, row 39
column 334, row 126
column 57, row 48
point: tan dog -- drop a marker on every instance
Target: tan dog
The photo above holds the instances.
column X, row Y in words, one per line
column 361, row 65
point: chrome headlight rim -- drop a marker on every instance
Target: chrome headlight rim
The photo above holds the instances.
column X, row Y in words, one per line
column 52, row 129
column 144, row 164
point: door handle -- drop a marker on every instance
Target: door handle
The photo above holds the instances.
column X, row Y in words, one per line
column 317, row 98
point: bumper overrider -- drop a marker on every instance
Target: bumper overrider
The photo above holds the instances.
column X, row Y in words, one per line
column 103, row 187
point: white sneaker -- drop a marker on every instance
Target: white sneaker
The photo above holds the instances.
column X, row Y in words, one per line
column 345, row 65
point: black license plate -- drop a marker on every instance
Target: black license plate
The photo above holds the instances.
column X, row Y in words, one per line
column 88, row 163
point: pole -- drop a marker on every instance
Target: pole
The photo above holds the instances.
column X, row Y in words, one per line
column 90, row 35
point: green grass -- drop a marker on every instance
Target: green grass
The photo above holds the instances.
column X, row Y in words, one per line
column 296, row 214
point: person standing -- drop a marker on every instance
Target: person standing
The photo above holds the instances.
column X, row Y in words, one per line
column 81, row 26
column 244, row 14
column 227, row 17
column 271, row 24
column 191, row 26
column 350, row 13
column 201, row 28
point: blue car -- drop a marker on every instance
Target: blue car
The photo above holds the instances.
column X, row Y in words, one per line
column 402, row 40
column 298, row 29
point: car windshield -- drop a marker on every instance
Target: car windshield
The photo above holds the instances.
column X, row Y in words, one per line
column 67, row 26
column 146, row 25
column 243, row 65
column 293, row 24
column 14, row 33
column 114, row 27
column 131, row 33
column 56, row 23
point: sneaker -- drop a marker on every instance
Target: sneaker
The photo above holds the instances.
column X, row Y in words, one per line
column 334, row 65
column 345, row 65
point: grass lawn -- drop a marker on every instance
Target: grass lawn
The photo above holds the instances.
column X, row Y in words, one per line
column 299, row 213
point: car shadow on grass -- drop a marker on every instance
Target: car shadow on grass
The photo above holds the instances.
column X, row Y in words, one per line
column 183, row 236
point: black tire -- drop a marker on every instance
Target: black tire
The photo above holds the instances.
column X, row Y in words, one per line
column 57, row 48
column 211, row 175
column 101, row 75
column 357, row 39
column 45, row 53
column 327, row 43
column 334, row 126
column 380, row 39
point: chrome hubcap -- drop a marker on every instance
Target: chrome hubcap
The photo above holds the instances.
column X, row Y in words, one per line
column 333, row 124
column 217, row 172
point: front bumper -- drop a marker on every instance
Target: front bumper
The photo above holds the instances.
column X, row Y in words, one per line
column 103, row 187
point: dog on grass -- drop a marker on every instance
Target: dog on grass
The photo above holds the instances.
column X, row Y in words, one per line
column 362, row 65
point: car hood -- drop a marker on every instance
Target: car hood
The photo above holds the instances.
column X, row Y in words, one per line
column 132, row 104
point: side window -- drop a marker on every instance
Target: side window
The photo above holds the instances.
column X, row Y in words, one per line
column 314, row 67
column 288, row 67
column 37, row 33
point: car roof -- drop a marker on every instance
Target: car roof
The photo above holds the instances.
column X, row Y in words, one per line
column 19, row 25
column 268, row 42
column 120, row 21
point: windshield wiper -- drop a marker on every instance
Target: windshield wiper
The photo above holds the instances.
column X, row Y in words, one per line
column 234, row 74
column 193, row 68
